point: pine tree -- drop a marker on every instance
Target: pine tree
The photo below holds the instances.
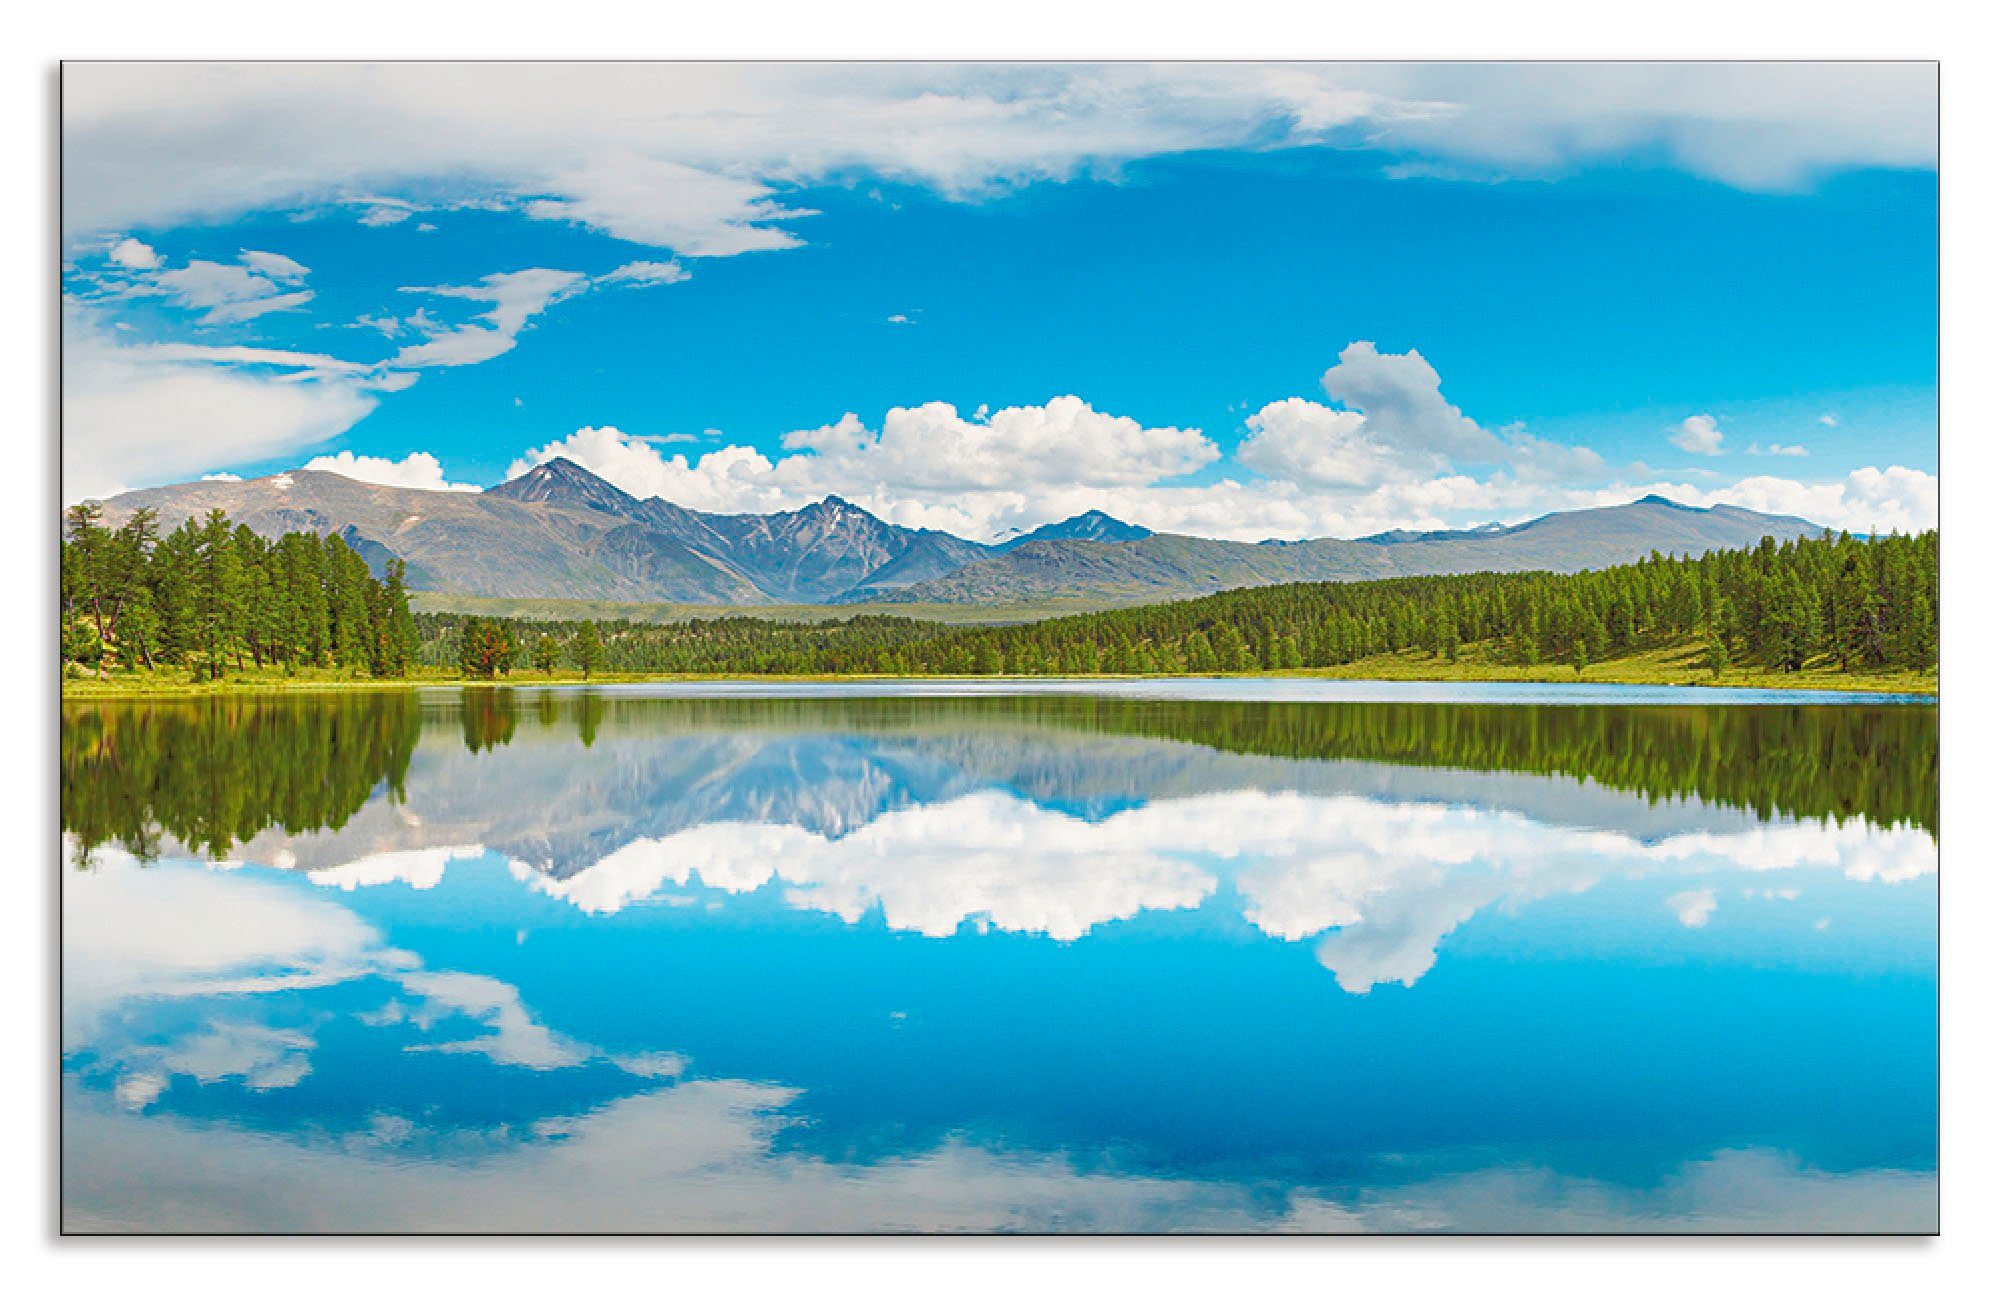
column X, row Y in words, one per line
column 587, row 649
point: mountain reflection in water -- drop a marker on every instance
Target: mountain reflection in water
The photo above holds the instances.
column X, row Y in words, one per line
column 590, row 959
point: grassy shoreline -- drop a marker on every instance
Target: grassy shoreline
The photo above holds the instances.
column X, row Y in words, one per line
column 1676, row 667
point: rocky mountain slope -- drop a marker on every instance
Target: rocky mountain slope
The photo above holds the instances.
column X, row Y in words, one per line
column 559, row 531
column 1161, row 567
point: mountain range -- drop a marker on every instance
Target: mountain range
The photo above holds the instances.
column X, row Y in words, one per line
column 560, row 531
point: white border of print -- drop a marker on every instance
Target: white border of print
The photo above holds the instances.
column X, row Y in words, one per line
column 1022, row 29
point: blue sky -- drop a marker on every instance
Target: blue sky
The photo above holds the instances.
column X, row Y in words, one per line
column 1280, row 301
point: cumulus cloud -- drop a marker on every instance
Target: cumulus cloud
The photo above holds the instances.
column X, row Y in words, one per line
column 1396, row 426
column 987, row 493
column 1698, row 434
column 1304, row 441
column 1868, row 499
column 927, row 465
column 931, row 447
column 131, row 254
column 1391, row 461
column 729, row 479
column 418, row 470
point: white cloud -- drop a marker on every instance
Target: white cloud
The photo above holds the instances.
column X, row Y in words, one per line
column 1867, row 499
column 1304, row 441
column 224, row 293
column 513, row 1037
column 1693, row 908
column 1698, row 434
column 137, row 415
column 275, row 265
column 1775, row 450
column 985, row 495
column 237, row 312
column 418, row 470
column 1065, row 442
column 1396, row 426
column 134, row 255
column 660, row 203
column 1764, row 126
column 301, row 361
column 646, row 274
column 734, row 478
column 928, row 465
column 227, row 294
column 989, row 856
column 131, row 932
column 710, row 1156
column 515, row 297
column 1379, row 885
column 1829, row 420
column 697, row 157
column 377, row 212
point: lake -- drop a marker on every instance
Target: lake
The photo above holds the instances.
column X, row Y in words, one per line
column 1234, row 956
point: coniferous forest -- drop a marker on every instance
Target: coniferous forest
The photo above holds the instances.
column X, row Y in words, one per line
column 212, row 597
column 1838, row 601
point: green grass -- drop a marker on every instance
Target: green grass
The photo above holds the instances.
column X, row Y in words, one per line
column 1676, row 665
column 548, row 609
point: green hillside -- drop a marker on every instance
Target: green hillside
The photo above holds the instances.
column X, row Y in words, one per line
column 1830, row 610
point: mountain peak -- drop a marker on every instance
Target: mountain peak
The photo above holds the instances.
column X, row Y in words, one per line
column 1094, row 524
column 556, row 469
column 564, row 483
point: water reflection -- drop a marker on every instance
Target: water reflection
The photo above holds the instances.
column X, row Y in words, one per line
column 539, row 960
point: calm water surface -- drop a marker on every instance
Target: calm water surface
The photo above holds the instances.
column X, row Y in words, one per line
column 1212, row 956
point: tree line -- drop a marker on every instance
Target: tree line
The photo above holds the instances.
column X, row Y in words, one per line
column 1834, row 601
column 211, row 596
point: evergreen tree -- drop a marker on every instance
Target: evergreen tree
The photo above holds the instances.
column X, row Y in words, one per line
column 587, row 649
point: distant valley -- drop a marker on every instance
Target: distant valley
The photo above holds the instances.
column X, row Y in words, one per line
column 561, row 532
